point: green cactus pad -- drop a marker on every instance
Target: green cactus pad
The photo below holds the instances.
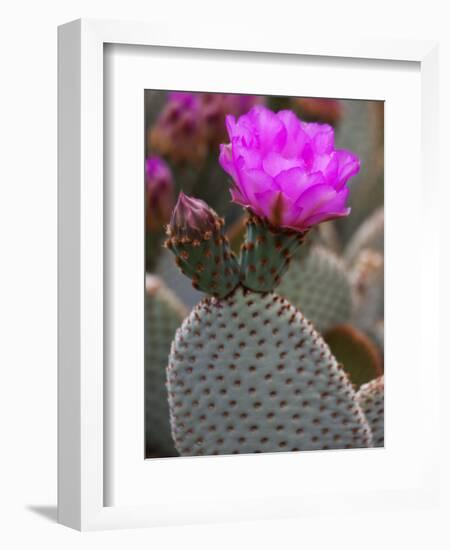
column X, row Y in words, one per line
column 163, row 315
column 320, row 287
column 250, row 374
column 265, row 254
column 371, row 398
column 356, row 352
column 207, row 260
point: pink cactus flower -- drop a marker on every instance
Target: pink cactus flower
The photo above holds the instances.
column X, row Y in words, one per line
column 286, row 171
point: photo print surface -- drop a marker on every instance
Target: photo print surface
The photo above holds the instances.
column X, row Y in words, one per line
column 264, row 284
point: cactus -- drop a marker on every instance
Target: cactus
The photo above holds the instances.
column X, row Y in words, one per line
column 202, row 251
column 367, row 278
column 250, row 374
column 266, row 254
column 320, row 287
column 247, row 372
column 356, row 352
column 174, row 279
column 369, row 235
column 163, row 315
column 361, row 130
column 371, row 399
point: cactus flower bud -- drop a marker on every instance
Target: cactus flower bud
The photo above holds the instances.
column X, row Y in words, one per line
column 193, row 218
column 159, row 193
column 202, row 251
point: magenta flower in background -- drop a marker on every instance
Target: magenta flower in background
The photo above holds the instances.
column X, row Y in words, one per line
column 159, row 192
column 186, row 100
column 178, row 132
column 191, row 124
column 285, row 170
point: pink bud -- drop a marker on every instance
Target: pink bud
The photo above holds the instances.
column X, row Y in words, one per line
column 192, row 218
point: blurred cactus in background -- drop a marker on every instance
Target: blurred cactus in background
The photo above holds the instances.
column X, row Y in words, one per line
column 371, row 399
column 163, row 315
column 279, row 303
column 179, row 132
column 192, row 123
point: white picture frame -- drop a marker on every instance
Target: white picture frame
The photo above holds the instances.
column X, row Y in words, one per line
column 84, row 478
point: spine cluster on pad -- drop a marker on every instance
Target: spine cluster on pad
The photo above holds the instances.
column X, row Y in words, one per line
column 266, row 254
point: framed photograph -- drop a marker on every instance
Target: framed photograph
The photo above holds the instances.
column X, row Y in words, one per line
column 242, row 321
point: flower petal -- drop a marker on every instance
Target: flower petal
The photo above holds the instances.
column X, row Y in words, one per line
column 226, row 160
column 236, row 196
column 348, row 166
column 274, row 163
column 333, row 209
column 324, row 139
column 296, row 137
column 254, row 181
column 325, row 216
column 271, row 131
column 295, row 181
column 263, row 203
column 250, row 157
column 314, row 198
